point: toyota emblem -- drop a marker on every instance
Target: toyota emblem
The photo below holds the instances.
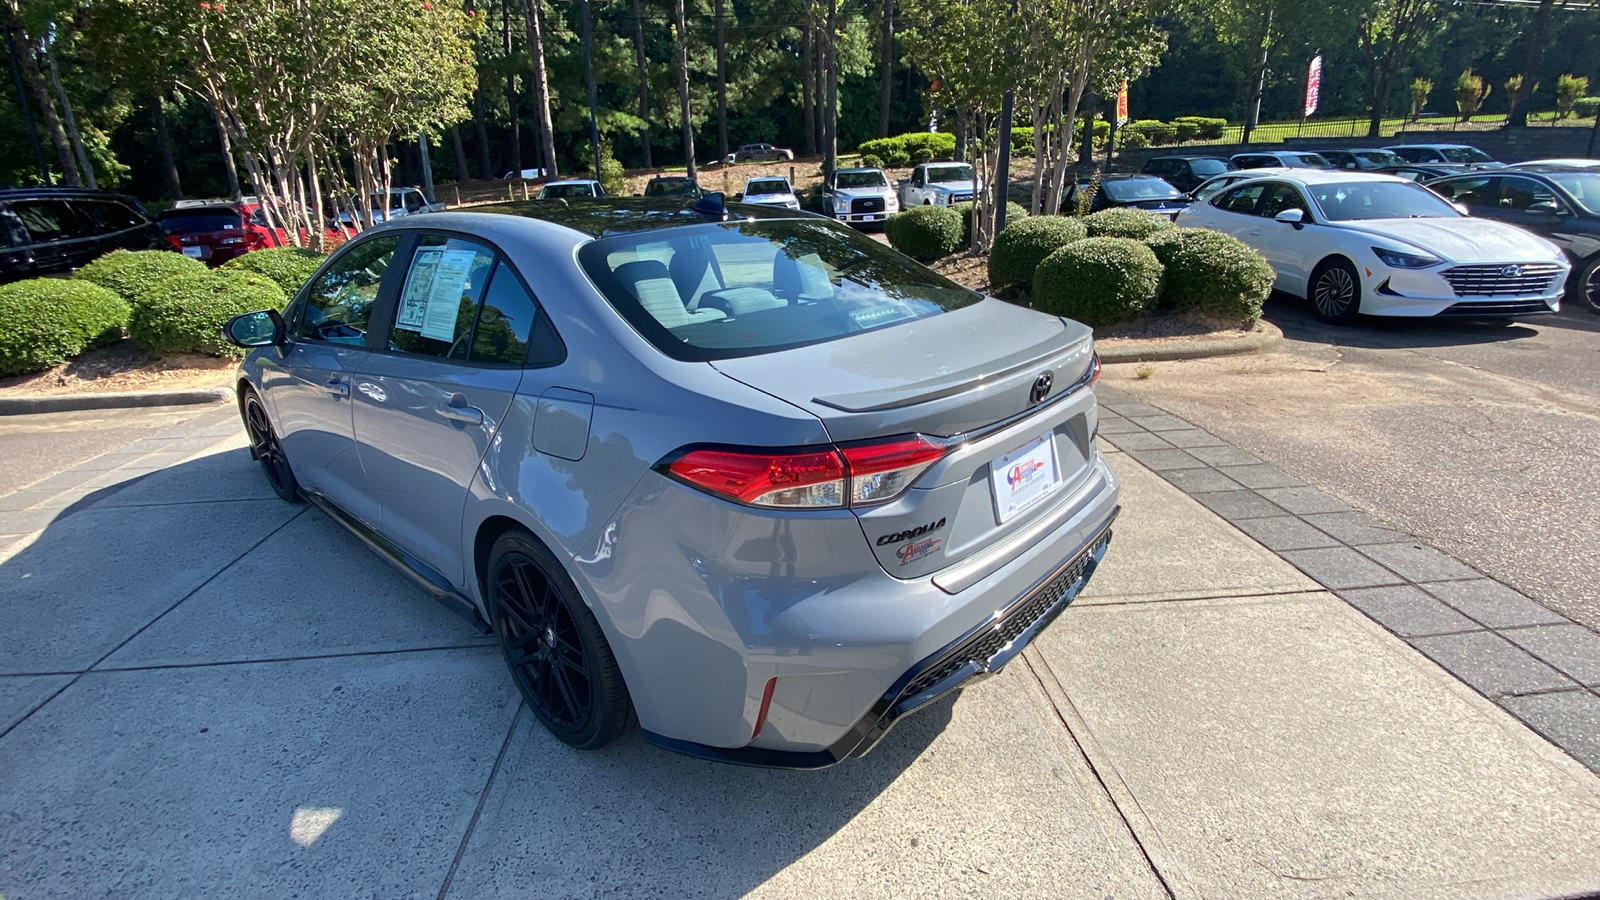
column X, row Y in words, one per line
column 1041, row 388
column 1511, row 271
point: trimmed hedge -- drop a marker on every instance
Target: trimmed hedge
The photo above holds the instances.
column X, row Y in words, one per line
column 1133, row 140
column 288, row 266
column 46, row 321
column 1122, row 222
column 1212, row 272
column 1015, row 212
column 868, row 161
column 939, row 144
column 186, row 313
column 1204, row 127
column 925, row 232
column 1098, row 280
column 129, row 273
column 1154, row 131
column 1025, row 243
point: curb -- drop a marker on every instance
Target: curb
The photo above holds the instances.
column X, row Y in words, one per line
column 22, row 406
column 1266, row 337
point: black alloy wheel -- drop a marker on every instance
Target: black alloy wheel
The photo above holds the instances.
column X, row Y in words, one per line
column 265, row 449
column 1589, row 285
column 1336, row 291
column 553, row 646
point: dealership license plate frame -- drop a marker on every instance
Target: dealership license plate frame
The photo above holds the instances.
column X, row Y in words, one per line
column 1038, row 454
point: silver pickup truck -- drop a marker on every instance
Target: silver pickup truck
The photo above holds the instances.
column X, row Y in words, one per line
column 939, row 184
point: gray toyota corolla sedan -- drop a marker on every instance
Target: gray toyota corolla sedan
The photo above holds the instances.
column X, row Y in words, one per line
column 740, row 472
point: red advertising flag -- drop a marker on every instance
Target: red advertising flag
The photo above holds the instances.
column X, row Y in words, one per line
column 1122, row 104
column 1313, row 85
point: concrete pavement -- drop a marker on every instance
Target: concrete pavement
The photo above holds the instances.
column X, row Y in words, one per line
column 206, row 691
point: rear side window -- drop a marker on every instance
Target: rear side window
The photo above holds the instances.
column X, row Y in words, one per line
column 48, row 220
column 736, row 289
column 1241, row 199
column 109, row 216
column 440, row 298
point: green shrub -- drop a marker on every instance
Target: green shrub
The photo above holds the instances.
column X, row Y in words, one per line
column 871, row 162
column 288, row 266
column 1186, row 131
column 1586, row 107
column 1132, row 140
column 1102, row 131
column 925, row 232
column 1098, row 280
column 1212, row 272
column 186, row 313
column 1206, row 127
column 1156, row 132
column 921, row 155
column 898, row 159
column 1015, row 212
column 1129, row 223
column 1025, row 243
column 46, row 321
column 129, row 273
column 938, row 144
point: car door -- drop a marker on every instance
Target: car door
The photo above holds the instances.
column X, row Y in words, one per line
column 16, row 248
column 56, row 238
column 1234, row 212
column 1281, row 244
column 1532, row 204
column 430, row 400
column 308, row 385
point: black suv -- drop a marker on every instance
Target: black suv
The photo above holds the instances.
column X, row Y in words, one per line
column 51, row 231
column 1186, row 172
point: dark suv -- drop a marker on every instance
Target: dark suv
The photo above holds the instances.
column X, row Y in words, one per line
column 51, row 231
column 1186, row 172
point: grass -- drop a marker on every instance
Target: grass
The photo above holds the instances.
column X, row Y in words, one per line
column 1276, row 132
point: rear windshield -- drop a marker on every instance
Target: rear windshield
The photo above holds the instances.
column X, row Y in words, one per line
column 1125, row 190
column 1208, row 166
column 198, row 221
column 1314, row 160
column 1465, row 155
column 720, row 291
column 559, row 191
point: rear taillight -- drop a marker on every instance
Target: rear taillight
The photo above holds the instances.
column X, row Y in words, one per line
column 1094, row 369
column 856, row 475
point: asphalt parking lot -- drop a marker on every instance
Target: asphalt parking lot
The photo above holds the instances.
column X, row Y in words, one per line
column 208, row 691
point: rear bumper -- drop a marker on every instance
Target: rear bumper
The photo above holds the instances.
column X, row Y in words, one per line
column 980, row 652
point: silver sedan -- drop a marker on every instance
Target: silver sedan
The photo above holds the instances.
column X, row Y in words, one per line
column 749, row 478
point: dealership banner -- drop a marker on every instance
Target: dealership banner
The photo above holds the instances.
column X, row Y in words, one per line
column 1122, row 104
column 1313, row 85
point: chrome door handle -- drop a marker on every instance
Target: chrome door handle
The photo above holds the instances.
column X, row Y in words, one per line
column 467, row 415
column 338, row 388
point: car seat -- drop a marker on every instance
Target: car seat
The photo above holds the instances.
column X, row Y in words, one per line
column 651, row 284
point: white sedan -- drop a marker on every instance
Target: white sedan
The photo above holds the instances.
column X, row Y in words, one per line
column 1358, row 243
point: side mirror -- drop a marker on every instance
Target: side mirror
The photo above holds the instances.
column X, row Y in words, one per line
column 264, row 328
column 1291, row 216
column 1544, row 208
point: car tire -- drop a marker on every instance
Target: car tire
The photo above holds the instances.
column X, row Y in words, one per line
column 1335, row 291
column 1586, row 283
column 266, row 449
column 553, row 645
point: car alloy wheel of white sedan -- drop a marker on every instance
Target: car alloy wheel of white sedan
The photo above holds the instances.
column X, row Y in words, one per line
column 1355, row 243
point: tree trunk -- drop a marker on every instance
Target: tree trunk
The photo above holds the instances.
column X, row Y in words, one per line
column 644, row 81
column 228, row 164
column 461, row 154
column 722, row 87
column 541, row 85
column 164, row 139
column 886, row 88
column 72, row 120
column 1258, row 85
column 1532, row 62
column 807, row 79
column 683, row 87
column 1069, row 121
column 830, row 118
column 485, row 164
column 511, row 93
column 41, row 96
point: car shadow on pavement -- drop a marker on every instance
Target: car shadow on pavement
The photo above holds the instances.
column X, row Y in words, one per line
column 1294, row 317
column 185, row 649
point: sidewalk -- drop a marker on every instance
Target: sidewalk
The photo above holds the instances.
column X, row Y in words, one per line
column 208, row 691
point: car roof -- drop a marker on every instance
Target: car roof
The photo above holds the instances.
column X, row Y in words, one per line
column 1555, row 165
column 13, row 193
column 670, row 178
column 1331, row 176
column 604, row 216
column 1128, row 176
column 1189, row 156
column 855, row 170
column 766, row 178
column 1428, row 147
column 571, row 181
column 202, row 208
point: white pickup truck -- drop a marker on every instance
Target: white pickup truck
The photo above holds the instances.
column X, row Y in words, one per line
column 859, row 196
column 938, row 184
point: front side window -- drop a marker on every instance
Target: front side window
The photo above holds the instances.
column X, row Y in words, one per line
column 1523, row 194
column 339, row 304
column 1241, row 199
column 109, row 216
column 1469, row 192
column 744, row 288
column 1281, row 197
column 47, row 220
column 949, row 174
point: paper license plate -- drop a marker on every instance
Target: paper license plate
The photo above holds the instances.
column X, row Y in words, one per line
column 1025, row 476
column 195, row 252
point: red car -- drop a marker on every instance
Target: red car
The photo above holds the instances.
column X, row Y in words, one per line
column 217, row 231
